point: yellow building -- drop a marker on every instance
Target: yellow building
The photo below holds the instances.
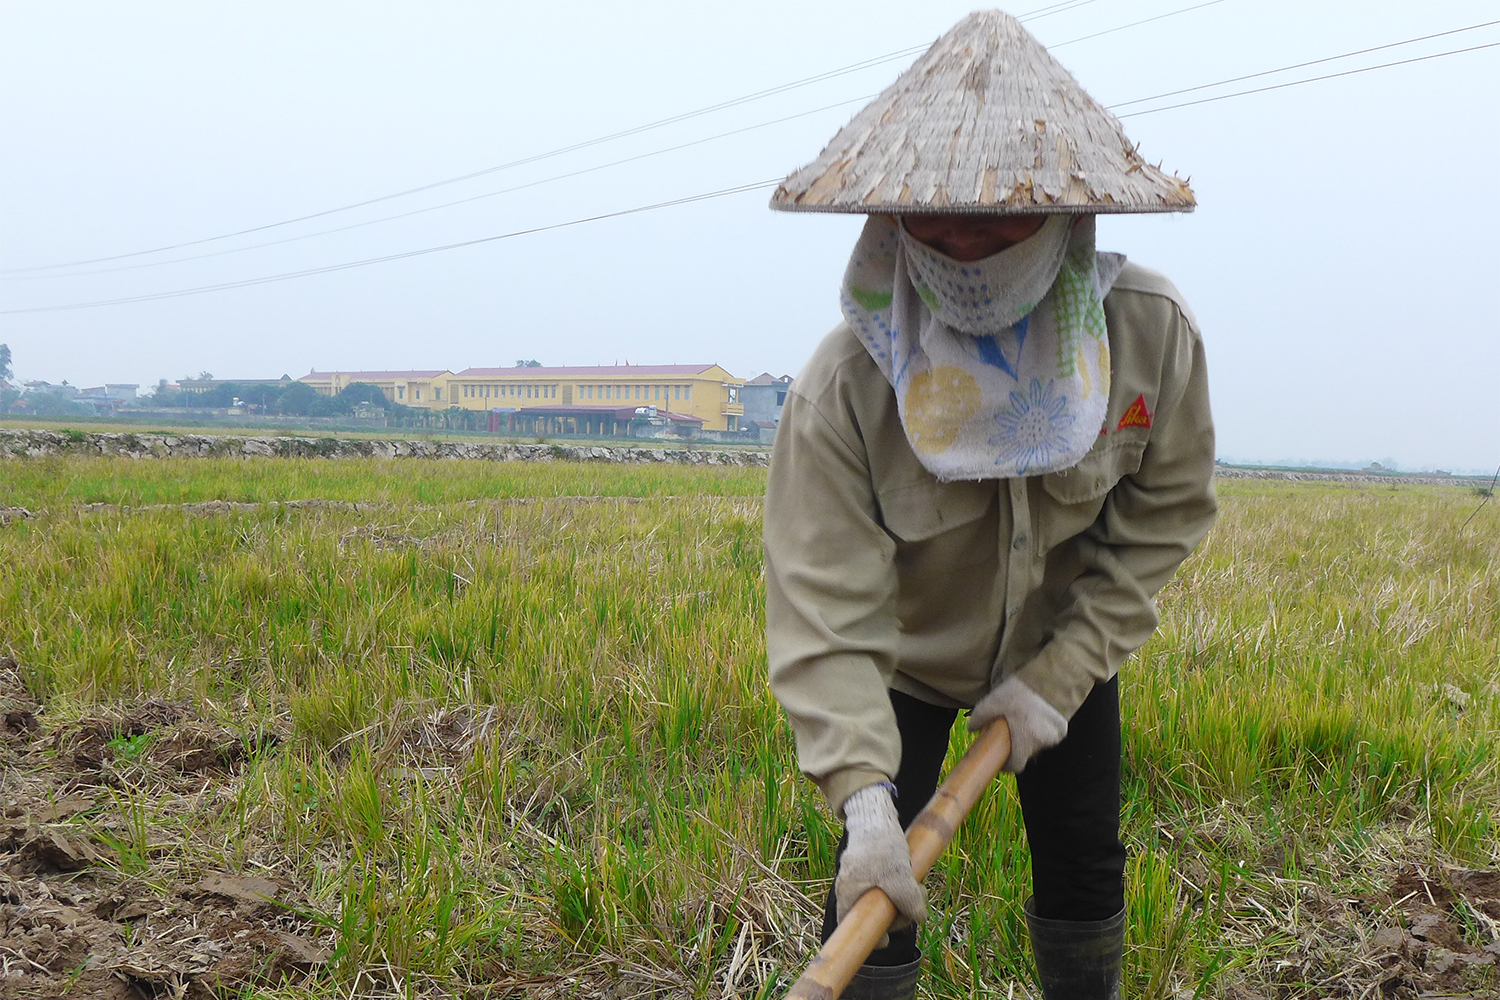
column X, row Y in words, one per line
column 594, row 400
column 426, row 389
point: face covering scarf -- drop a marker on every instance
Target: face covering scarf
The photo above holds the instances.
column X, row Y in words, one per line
column 1001, row 365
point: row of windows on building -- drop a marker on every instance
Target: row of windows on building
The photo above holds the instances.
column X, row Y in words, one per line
column 661, row 393
column 512, row 391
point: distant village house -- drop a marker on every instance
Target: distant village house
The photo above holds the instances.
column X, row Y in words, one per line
column 764, row 396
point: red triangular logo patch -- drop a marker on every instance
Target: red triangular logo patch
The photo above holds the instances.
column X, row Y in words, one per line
column 1136, row 415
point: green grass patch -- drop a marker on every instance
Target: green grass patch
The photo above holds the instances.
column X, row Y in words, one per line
column 61, row 481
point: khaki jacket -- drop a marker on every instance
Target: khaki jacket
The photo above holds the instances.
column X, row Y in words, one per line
column 878, row 575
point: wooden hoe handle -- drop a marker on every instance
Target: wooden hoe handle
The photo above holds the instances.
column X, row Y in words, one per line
column 870, row 917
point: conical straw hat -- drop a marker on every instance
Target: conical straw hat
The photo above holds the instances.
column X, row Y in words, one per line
column 985, row 121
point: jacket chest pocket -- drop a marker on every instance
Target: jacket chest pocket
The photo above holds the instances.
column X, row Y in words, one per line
column 940, row 526
column 1077, row 493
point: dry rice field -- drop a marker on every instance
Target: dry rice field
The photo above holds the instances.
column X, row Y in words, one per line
column 359, row 728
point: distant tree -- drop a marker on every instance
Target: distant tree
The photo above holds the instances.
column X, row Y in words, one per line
column 533, row 363
column 298, row 400
column 220, row 395
column 259, row 395
column 356, row 393
column 163, row 395
column 52, row 404
column 329, row 406
column 5, row 371
column 206, row 376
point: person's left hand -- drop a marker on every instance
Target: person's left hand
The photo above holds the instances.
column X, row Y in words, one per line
column 1034, row 724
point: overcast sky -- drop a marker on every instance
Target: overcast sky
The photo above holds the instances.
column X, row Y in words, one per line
column 1342, row 263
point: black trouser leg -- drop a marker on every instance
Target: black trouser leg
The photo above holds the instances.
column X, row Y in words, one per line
column 1070, row 799
column 924, row 732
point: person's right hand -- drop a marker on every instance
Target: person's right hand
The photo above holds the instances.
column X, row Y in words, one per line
column 876, row 855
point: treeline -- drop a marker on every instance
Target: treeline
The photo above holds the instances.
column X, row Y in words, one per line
column 296, row 399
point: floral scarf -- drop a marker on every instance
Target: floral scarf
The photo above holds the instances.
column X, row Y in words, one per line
column 1001, row 365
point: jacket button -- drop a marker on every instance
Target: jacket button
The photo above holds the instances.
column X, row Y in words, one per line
column 1019, row 543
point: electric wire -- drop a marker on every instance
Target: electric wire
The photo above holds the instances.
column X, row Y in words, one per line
column 346, row 265
column 739, row 131
column 1304, row 65
column 1133, row 24
column 624, row 133
column 1048, row 11
column 16, row 274
column 1313, row 79
column 738, row 189
column 448, row 204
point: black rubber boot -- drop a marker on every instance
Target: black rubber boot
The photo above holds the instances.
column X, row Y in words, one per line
column 1077, row 959
column 884, row 982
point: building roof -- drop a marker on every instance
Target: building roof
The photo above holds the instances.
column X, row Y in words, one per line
column 378, row 376
column 766, row 378
column 586, row 371
column 199, row 383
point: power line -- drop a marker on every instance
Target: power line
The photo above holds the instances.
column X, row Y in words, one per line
column 1304, row 65
column 1314, row 79
column 448, row 204
column 739, row 189
column 1048, row 11
column 535, row 158
column 1057, row 8
column 267, row 279
column 777, row 121
column 1132, row 24
column 547, row 180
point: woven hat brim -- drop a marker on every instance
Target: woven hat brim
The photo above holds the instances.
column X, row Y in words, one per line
column 782, row 201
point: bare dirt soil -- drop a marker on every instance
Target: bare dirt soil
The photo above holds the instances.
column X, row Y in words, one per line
column 1435, row 952
column 85, row 910
column 1421, row 935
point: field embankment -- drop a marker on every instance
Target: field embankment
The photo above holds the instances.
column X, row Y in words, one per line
column 47, row 443
column 490, row 729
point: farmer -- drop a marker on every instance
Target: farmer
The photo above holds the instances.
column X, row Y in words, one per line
column 980, row 481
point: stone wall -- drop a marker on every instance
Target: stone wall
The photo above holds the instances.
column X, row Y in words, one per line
column 36, row 444
column 39, row 444
column 1366, row 478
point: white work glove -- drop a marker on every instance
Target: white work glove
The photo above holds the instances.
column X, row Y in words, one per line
column 1034, row 724
column 876, row 855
